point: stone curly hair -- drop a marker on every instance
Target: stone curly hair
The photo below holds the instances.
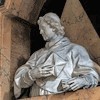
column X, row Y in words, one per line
column 54, row 22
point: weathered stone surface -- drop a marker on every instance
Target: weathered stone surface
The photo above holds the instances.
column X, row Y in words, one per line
column 79, row 28
column 14, row 39
column 5, row 33
column 14, row 50
column 88, row 94
column 20, row 47
column 25, row 9
column 0, row 52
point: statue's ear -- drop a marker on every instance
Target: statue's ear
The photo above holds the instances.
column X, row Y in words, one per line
column 53, row 29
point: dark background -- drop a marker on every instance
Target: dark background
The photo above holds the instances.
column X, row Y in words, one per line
column 92, row 8
column 2, row 2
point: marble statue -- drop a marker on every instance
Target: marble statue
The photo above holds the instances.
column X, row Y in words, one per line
column 59, row 67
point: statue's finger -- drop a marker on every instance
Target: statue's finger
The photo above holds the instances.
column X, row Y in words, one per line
column 73, row 85
column 65, row 85
column 47, row 69
column 71, row 82
column 43, row 67
column 46, row 75
column 76, row 87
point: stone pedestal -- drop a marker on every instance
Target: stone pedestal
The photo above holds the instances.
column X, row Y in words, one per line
column 88, row 94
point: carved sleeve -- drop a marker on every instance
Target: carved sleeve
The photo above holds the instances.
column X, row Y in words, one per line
column 85, row 68
column 23, row 78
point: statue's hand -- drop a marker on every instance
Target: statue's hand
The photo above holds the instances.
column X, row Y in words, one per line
column 75, row 83
column 39, row 72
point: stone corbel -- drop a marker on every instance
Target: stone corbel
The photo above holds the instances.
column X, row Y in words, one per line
column 24, row 9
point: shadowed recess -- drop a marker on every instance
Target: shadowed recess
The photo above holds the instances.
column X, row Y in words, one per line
column 2, row 2
column 55, row 6
column 92, row 8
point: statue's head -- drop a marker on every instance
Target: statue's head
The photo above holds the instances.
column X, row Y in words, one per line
column 52, row 21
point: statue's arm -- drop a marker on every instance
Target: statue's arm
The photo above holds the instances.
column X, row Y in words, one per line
column 84, row 73
column 89, row 72
column 22, row 77
column 29, row 72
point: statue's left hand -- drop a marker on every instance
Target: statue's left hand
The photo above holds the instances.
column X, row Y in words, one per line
column 75, row 83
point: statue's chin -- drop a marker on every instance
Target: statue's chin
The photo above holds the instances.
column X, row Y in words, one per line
column 46, row 39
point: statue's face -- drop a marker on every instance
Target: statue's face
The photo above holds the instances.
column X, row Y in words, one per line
column 46, row 31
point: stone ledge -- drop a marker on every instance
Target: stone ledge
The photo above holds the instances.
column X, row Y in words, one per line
column 87, row 94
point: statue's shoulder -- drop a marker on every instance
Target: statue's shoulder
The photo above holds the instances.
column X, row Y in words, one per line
column 79, row 48
column 40, row 50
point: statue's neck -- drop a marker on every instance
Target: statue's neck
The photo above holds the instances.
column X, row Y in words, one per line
column 53, row 41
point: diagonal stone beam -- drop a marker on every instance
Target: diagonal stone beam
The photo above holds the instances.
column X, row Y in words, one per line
column 79, row 28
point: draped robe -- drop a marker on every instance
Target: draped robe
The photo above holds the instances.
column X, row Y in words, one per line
column 67, row 59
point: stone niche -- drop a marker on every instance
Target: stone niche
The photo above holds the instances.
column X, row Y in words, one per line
column 16, row 16
column 15, row 42
column 14, row 51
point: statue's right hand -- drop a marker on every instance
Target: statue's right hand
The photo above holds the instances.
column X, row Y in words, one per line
column 39, row 72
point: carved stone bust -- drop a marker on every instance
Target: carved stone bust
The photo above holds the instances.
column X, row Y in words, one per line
column 59, row 67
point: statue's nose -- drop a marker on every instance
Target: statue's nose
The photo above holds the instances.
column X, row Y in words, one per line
column 41, row 31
